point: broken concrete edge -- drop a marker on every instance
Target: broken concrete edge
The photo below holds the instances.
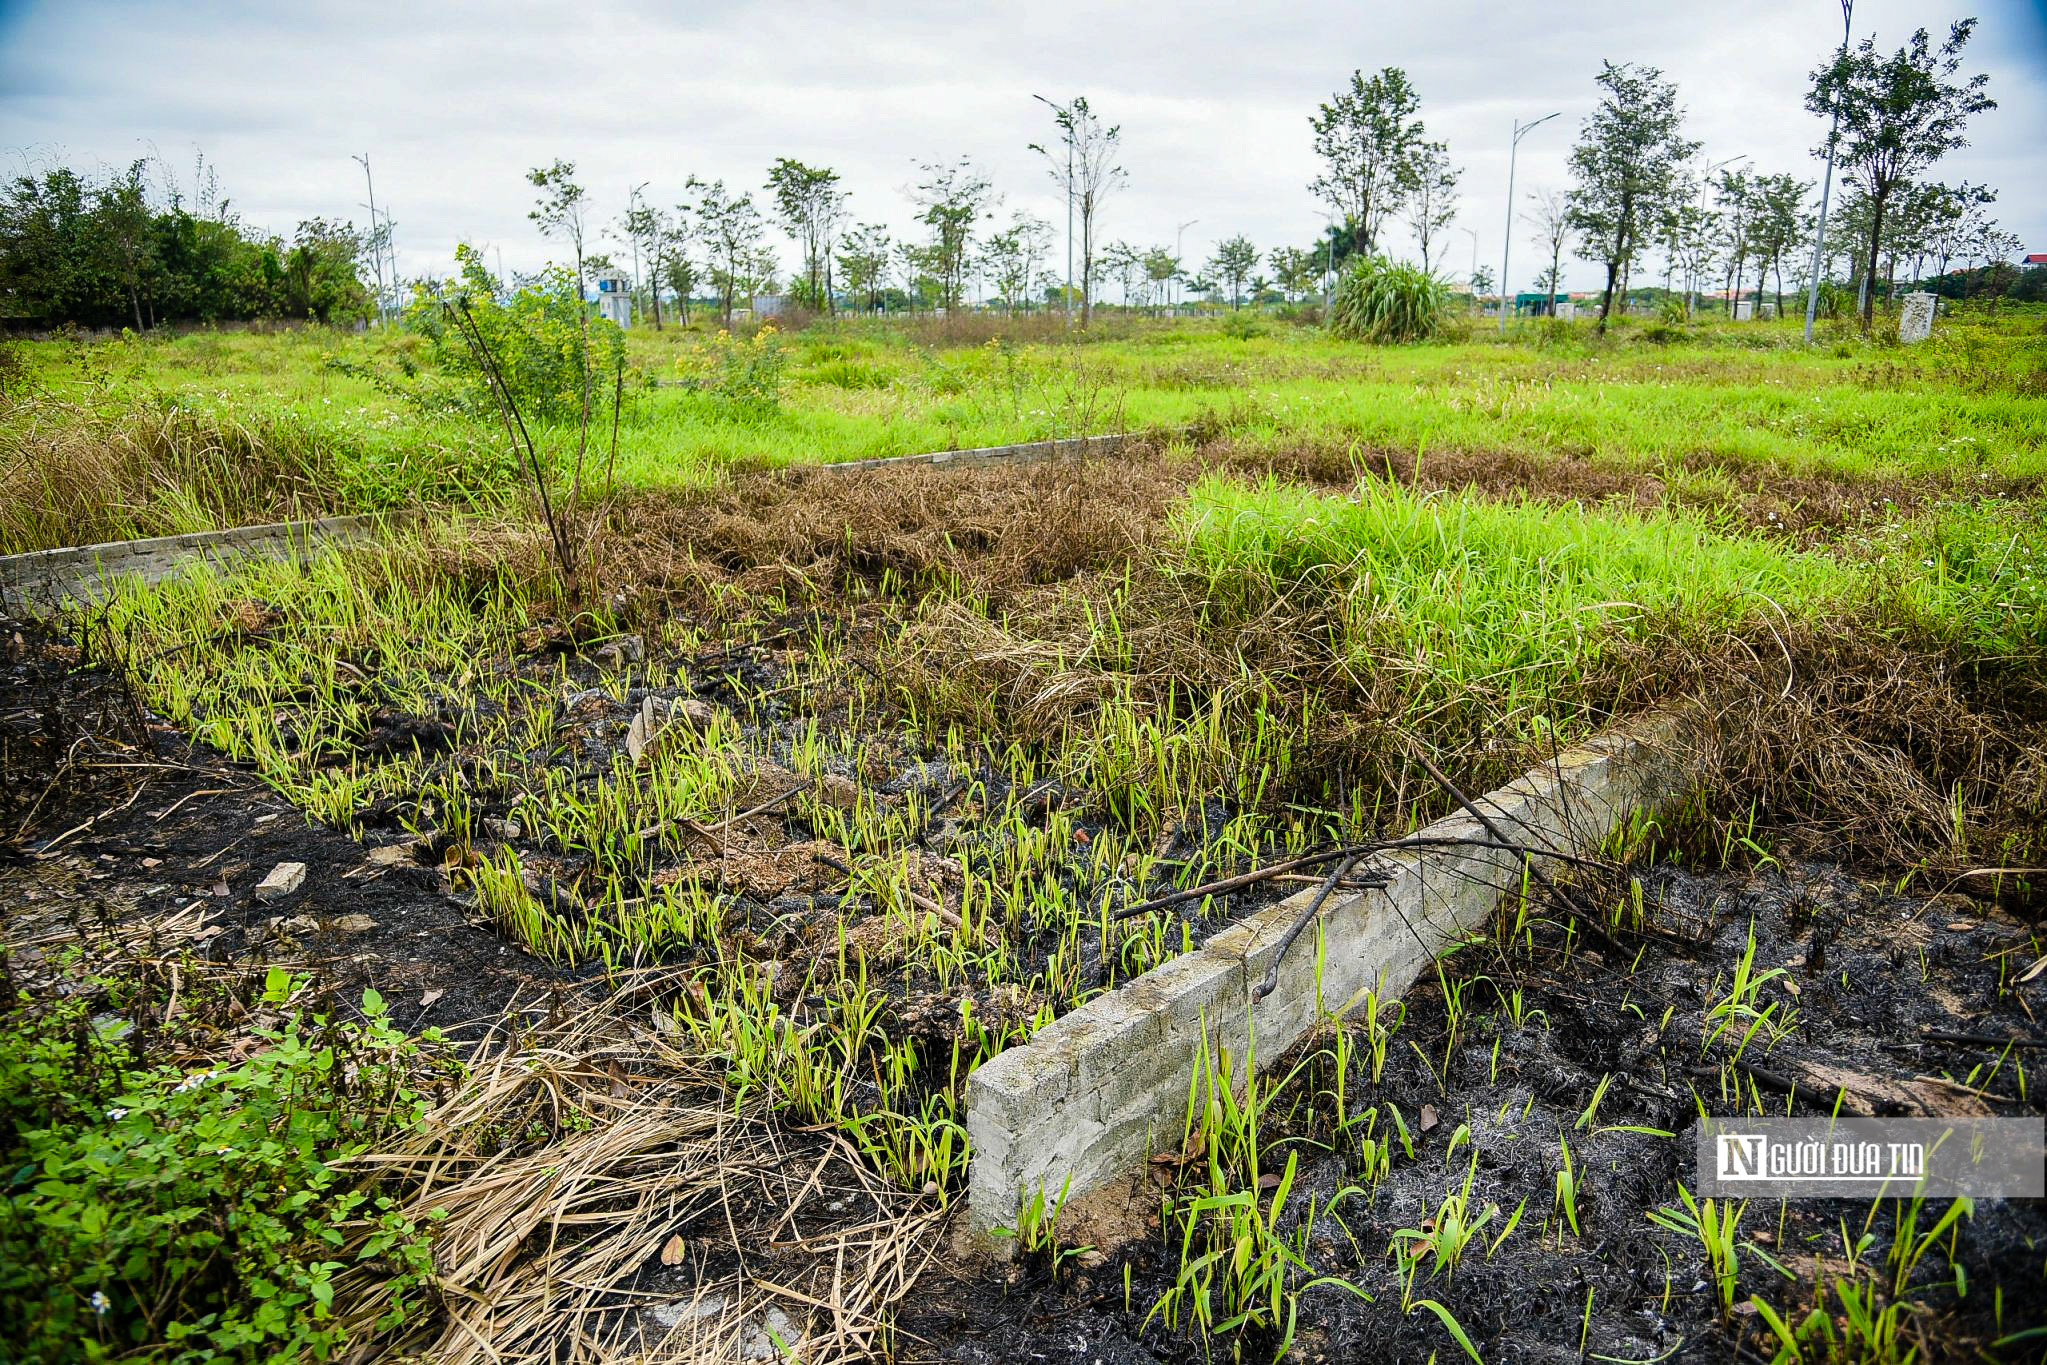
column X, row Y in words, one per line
column 47, row 577
column 983, row 457
column 1099, row 1090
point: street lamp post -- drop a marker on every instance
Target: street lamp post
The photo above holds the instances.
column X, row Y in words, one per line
column 1819, row 237
column 1069, row 206
column 1692, row 303
column 1472, row 278
column 1179, row 239
column 1521, row 130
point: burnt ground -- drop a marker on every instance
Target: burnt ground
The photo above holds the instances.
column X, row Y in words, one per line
column 1900, row 1000
column 118, row 816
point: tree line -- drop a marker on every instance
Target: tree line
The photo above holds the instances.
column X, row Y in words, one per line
column 118, row 250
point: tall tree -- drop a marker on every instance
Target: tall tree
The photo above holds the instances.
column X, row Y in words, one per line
column 1232, row 264
column 1161, row 268
column 1371, row 142
column 1083, row 165
column 1627, row 165
column 810, row 204
column 1550, row 215
column 672, row 265
column 1899, row 114
column 951, row 201
column 1298, row 269
column 730, row 228
column 1432, row 198
column 561, row 208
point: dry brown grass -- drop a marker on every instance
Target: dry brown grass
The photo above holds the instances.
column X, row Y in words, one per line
column 644, row 1190
column 72, row 476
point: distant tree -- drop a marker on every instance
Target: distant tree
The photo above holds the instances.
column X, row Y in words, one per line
column 672, row 265
column 730, row 228
column 1734, row 195
column 322, row 275
column 1899, row 114
column 810, row 204
column 561, row 208
column 1781, row 225
column 1371, row 143
column 1232, row 264
column 1083, row 165
column 1432, row 198
column 1550, row 214
column 1161, row 268
column 641, row 226
column 1481, row 284
column 1015, row 256
column 951, row 201
column 1627, row 166
column 864, row 260
column 1959, row 217
column 1298, row 270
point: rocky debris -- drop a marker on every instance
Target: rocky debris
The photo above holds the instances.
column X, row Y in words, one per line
column 767, row 1335
column 626, row 649
column 284, row 879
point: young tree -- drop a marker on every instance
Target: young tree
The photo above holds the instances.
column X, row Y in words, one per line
column 1083, row 165
column 863, row 262
column 1627, row 165
column 123, row 219
column 730, row 228
column 1232, row 264
column 672, row 265
column 951, row 201
column 1432, row 197
column 1299, row 271
column 1161, row 268
column 641, row 227
column 1014, row 256
column 1734, row 193
column 1126, row 263
column 810, row 204
column 561, row 208
column 1780, row 226
column 1899, row 114
column 1371, row 143
column 1550, row 215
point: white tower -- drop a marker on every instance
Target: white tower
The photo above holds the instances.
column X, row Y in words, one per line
column 615, row 296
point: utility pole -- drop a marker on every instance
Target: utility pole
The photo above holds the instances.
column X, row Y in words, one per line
column 632, row 210
column 1328, row 263
column 376, row 256
column 1069, row 206
column 1819, row 237
column 1179, row 241
column 1521, row 130
column 1706, row 180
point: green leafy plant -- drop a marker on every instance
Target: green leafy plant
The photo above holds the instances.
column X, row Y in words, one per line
column 199, row 1216
column 744, row 376
column 1378, row 300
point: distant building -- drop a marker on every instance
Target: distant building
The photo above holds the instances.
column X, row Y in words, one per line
column 615, row 296
column 2037, row 258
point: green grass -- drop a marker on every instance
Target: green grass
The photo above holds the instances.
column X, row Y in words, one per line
column 1971, row 404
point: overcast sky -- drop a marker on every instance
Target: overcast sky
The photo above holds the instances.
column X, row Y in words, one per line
column 455, row 102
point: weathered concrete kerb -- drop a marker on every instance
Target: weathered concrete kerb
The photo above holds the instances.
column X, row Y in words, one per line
column 47, row 577
column 1099, row 1089
column 985, row 457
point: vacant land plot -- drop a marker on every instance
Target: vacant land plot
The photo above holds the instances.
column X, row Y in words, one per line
column 721, row 867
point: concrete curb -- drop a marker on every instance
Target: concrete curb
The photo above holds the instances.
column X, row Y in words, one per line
column 1102, row 1087
column 987, row 457
column 48, row 577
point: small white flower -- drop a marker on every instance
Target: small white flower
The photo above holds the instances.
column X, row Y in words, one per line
column 117, row 1113
column 100, row 1303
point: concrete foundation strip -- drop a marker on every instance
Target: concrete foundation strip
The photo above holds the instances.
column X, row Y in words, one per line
column 45, row 578
column 1086, row 1101
column 987, row 457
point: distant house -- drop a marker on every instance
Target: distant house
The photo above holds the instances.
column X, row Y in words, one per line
column 2037, row 258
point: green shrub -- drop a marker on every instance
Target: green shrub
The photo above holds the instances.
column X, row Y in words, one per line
column 742, row 375
column 187, row 1217
column 1242, row 325
column 538, row 337
column 1378, row 300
